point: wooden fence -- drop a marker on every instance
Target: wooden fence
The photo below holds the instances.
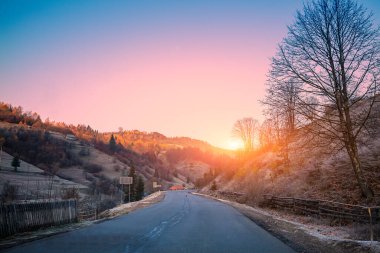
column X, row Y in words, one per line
column 323, row 208
column 22, row 217
column 328, row 209
column 231, row 194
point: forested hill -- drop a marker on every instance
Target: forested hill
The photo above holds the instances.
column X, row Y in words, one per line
column 67, row 149
column 143, row 142
column 138, row 141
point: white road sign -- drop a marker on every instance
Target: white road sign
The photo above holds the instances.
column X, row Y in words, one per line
column 155, row 185
column 126, row 180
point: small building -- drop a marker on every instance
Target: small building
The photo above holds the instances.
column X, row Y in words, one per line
column 177, row 188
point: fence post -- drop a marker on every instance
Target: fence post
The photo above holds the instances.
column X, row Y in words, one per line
column 14, row 221
column 70, row 210
column 76, row 211
column 370, row 223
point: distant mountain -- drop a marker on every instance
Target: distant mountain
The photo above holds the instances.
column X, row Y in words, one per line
column 135, row 140
column 143, row 142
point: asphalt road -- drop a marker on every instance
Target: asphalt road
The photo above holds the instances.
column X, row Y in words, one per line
column 182, row 222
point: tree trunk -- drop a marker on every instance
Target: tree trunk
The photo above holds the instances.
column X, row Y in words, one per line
column 351, row 145
column 356, row 165
column 352, row 150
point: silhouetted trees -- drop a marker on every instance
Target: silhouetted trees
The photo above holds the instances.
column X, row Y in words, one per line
column 207, row 177
column 15, row 114
column 112, row 144
column 139, row 188
column 16, row 162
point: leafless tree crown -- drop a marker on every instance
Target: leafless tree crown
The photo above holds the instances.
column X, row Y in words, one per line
column 247, row 130
column 331, row 58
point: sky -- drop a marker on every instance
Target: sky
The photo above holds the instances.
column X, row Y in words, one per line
column 181, row 68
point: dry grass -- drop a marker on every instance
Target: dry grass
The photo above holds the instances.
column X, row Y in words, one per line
column 33, row 182
column 313, row 172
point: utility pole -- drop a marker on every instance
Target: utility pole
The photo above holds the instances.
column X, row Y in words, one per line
column 1, row 153
column 121, row 194
column 2, row 140
column 27, row 185
column 129, row 193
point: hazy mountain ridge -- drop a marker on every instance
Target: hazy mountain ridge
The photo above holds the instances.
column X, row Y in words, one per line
column 143, row 142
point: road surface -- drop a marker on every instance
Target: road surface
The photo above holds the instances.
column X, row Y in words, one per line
column 182, row 222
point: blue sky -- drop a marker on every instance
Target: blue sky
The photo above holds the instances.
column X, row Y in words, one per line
column 182, row 68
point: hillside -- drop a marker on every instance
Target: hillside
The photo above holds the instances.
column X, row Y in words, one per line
column 76, row 160
column 316, row 169
column 85, row 157
column 30, row 182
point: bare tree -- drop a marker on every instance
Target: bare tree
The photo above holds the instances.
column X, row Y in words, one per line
column 281, row 103
column 332, row 51
column 246, row 129
column 267, row 133
column 281, row 99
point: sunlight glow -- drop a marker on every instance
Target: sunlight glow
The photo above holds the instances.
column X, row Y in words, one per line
column 235, row 144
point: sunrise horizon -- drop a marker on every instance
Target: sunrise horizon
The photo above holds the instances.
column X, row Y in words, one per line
column 231, row 144
column 180, row 69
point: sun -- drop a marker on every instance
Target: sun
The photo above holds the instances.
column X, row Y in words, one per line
column 235, row 144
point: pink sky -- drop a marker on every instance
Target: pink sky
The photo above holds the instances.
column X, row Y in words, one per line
column 179, row 68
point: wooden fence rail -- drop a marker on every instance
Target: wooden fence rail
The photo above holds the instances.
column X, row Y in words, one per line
column 22, row 217
column 231, row 194
column 329, row 209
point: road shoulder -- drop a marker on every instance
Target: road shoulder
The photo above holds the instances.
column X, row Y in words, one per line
column 130, row 207
column 297, row 236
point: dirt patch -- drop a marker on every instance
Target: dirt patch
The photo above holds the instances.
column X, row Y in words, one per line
column 298, row 236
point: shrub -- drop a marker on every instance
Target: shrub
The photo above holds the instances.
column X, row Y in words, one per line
column 92, row 168
column 9, row 192
column 71, row 160
column 116, row 167
column 84, row 152
column 70, row 193
column 106, row 204
column 213, row 186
